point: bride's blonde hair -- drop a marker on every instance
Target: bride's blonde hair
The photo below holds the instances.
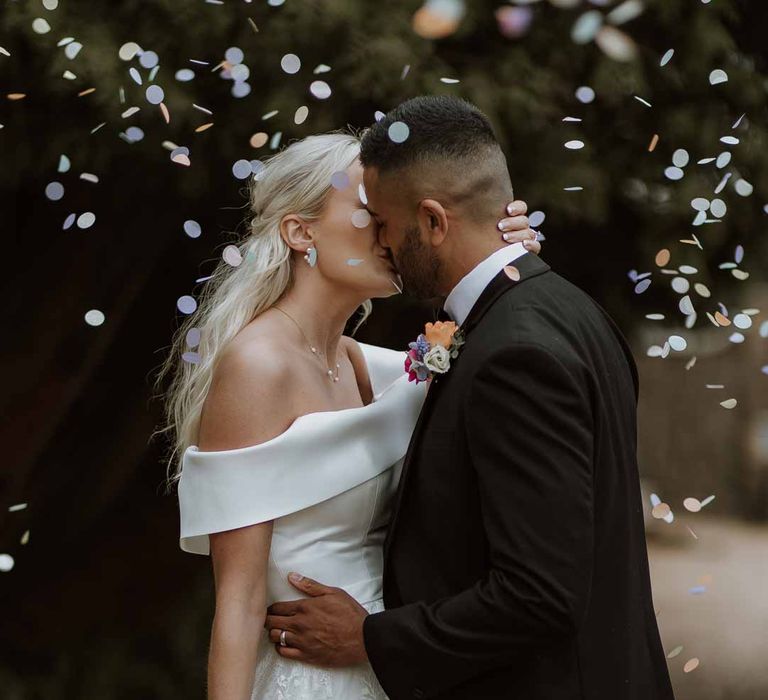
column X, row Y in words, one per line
column 297, row 180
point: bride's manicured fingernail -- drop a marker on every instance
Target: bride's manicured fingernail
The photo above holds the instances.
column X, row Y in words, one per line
column 506, row 237
column 500, row 226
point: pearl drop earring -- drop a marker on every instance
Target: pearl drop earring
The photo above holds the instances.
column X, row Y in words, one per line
column 311, row 256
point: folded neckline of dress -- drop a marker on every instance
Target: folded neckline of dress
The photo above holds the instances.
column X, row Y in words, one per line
column 335, row 412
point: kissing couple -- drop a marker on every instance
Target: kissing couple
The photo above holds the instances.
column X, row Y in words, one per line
column 460, row 519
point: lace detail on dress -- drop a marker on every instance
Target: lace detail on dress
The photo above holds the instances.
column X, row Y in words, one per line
column 278, row 678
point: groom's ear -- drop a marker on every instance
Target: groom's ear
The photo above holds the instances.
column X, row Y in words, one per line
column 433, row 221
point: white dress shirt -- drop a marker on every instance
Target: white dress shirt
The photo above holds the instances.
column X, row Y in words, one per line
column 463, row 296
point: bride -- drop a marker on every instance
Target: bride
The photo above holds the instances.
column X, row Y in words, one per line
column 291, row 434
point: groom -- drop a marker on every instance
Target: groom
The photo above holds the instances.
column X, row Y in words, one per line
column 515, row 565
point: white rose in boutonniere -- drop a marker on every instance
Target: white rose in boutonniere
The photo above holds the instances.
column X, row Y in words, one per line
column 438, row 359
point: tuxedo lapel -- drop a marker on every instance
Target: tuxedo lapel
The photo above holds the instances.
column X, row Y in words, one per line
column 527, row 266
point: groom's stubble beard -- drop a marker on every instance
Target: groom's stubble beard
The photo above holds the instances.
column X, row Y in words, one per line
column 418, row 265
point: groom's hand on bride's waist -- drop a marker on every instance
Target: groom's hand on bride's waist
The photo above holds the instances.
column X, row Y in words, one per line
column 325, row 629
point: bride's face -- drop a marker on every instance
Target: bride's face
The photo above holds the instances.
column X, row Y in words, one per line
column 348, row 249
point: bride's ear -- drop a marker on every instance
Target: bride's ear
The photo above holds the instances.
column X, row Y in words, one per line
column 296, row 233
column 433, row 221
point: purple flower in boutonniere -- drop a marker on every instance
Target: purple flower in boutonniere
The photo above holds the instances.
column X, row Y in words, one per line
column 431, row 353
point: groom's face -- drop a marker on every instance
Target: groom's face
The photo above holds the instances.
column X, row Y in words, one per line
column 398, row 231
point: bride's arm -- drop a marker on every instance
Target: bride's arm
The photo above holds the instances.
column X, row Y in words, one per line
column 245, row 381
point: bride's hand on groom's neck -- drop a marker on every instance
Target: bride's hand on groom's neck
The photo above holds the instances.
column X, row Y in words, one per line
column 515, row 228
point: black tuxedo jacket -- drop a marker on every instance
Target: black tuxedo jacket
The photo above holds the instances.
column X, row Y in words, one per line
column 515, row 565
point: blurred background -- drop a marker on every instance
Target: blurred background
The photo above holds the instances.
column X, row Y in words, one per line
column 637, row 131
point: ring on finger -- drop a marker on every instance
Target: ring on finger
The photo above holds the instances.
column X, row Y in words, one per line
column 283, row 643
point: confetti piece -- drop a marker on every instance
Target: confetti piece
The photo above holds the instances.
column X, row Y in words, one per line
column 202, row 109
column 729, row 404
column 203, row 127
column 718, row 76
column 574, row 145
column 4, row 52
column 301, row 115
column 259, row 139
column 54, row 191
column 697, row 590
column 321, row 68
column 320, row 89
column 662, row 257
column 692, row 504
column 340, row 180
column 691, row 665
column 6, row 562
column 16, row 507
column 94, row 317
column 449, row 81
column 660, row 511
column 573, row 189
column 16, row 96
column 186, row 304
column 166, row 114
column 585, row 94
column 654, row 143
column 672, row 654
column 667, row 57
column 354, row 262
column 645, row 102
column 398, row 132
column 361, row 218
column 192, row 228
column 707, row 501
column 290, row 63
column 86, row 220
column 721, row 319
column 88, row 91
column 192, row 358
column 232, row 256
column 512, row 272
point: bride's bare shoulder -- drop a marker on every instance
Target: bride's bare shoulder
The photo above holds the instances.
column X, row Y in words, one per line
column 254, row 371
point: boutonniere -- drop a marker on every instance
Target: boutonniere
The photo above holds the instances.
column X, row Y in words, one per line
column 431, row 353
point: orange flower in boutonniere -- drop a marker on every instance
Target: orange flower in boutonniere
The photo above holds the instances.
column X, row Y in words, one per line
column 440, row 333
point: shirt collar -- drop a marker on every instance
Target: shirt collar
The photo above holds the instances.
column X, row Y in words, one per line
column 463, row 296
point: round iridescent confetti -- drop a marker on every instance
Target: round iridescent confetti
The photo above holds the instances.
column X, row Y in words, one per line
column 729, row 404
column 242, row 169
column 134, row 134
column 94, row 317
column 718, row 76
column 681, row 285
column 700, row 204
column 667, row 57
column 662, row 257
column 72, row 49
column 641, row 286
column 536, row 219
column 742, row 321
column 718, row 208
column 231, row 255
column 234, row 55
column 687, row 270
column 723, row 159
column 128, row 51
column 680, row 158
column 259, row 139
column 241, row 89
column 40, row 26
column 320, row 89
column 290, row 63
column 677, row 343
column 192, row 357
column 155, row 94
column 50, row 4
column 361, row 218
column 674, row 174
column 69, row 221
column 340, row 180
column 240, row 72
column 301, row 115
column 6, row 562
column 192, row 228
column 585, row 94
column 743, row 188
column 257, row 168
column 149, row 59
column 54, row 191
column 574, row 145
column 736, row 338
column 354, row 261
column 398, row 132
column 186, row 304
column 193, row 337
column 135, row 75
column 185, row 75
column 86, row 220
column 738, row 254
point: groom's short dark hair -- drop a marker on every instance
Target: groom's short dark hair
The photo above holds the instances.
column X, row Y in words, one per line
column 440, row 127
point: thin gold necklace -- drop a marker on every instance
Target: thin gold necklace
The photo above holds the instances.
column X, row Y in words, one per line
column 311, row 347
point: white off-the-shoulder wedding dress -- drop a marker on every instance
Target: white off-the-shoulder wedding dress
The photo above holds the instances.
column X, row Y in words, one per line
column 328, row 482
